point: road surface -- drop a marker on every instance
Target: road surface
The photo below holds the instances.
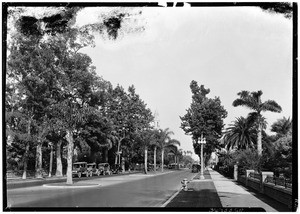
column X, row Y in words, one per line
column 135, row 190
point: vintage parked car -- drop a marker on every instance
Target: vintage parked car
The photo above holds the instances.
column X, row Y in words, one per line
column 92, row 169
column 104, row 168
column 196, row 167
column 79, row 169
column 116, row 169
column 172, row 166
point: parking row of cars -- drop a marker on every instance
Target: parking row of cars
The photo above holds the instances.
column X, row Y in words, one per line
column 90, row 169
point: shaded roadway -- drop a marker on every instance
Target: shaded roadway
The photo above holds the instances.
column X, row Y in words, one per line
column 201, row 193
column 136, row 190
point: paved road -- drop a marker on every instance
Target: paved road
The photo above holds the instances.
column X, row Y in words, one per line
column 135, row 190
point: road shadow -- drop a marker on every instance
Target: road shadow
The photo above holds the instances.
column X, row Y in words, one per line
column 200, row 198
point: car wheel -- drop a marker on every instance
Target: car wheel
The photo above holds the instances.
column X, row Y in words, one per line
column 79, row 174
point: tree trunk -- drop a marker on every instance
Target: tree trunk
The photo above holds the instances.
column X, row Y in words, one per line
column 259, row 142
column 58, row 159
column 25, row 159
column 146, row 156
column 117, row 158
column 155, row 159
column 69, row 137
column 38, row 160
column 106, row 155
column 24, row 176
column 51, row 160
column 162, row 159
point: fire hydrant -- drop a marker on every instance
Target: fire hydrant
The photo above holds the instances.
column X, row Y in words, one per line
column 184, row 183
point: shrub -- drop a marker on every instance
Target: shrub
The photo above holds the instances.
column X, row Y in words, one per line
column 248, row 159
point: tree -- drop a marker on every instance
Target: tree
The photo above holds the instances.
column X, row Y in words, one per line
column 129, row 115
column 27, row 72
column 155, row 144
column 282, row 127
column 204, row 116
column 174, row 151
column 253, row 101
column 145, row 139
column 187, row 160
column 164, row 141
column 59, row 81
column 71, row 113
column 241, row 134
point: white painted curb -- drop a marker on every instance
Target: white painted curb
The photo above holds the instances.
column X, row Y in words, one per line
column 71, row 187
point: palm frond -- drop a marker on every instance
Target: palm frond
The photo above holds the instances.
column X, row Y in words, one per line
column 174, row 142
column 256, row 95
column 247, row 102
column 240, row 134
column 244, row 94
column 252, row 117
column 271, row 105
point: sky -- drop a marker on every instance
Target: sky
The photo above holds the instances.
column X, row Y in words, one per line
column 226, row 49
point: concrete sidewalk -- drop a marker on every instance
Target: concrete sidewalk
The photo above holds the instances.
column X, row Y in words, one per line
column 221, row 193
column 232, row 194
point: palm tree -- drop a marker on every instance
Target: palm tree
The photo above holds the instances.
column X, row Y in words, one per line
column 282, row 127
column 241, row 134
column 175, row 151
column 253, row 101
column 165, row 141
column 155, row 144
column 145, row 138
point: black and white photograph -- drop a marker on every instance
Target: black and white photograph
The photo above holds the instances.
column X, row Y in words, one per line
column 150, row 106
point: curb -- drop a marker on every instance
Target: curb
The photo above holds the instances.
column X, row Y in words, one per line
column 175, row 194
column 27, row 183
column 171, row 198
column 71, row 186
column 15, row 185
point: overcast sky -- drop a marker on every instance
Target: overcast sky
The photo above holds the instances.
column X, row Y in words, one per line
column 227, row 49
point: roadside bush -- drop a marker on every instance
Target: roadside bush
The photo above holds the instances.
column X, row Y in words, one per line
column 248, row 159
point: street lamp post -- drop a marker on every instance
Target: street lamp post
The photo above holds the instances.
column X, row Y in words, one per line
column 202, row 141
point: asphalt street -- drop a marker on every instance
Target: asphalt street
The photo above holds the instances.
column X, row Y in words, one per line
column 136, row 190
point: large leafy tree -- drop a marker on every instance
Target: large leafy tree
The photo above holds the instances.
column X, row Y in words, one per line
column 72, row 110
column 129, row 115
column 29, row 72
column 204, row 116
column 253, row 101
column 56, row 42
column 241, row 134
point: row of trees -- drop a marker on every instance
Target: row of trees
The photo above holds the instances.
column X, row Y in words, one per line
column 245, row 141
column 54, row 98
column 248, row 143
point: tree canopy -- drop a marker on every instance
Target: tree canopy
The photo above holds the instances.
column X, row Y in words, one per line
column 204, row 116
